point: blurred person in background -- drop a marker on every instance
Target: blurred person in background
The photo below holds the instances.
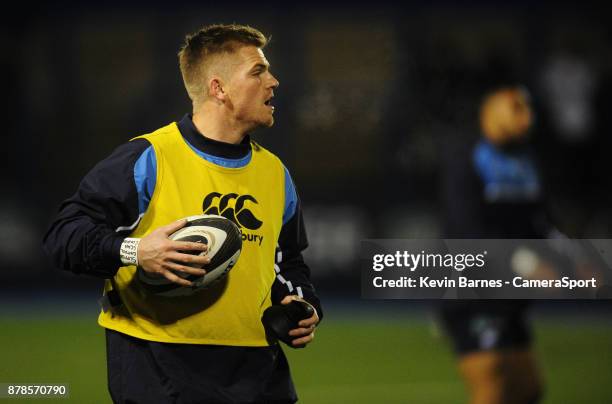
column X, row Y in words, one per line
column 492, row 189
column 209, row 346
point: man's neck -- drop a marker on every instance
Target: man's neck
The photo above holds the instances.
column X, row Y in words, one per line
column 221, row 130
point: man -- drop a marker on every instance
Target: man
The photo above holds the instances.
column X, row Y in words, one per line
column 492, row 190
column 209, row 347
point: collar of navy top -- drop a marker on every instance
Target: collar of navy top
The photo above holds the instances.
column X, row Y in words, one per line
column 211, row 146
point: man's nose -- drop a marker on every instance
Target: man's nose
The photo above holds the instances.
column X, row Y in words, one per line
column 273, row 82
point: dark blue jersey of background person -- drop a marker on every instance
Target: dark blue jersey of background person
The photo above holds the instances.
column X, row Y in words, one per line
column 493, row 191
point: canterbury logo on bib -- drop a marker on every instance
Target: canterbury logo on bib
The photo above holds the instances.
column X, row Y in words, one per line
column 232, row 206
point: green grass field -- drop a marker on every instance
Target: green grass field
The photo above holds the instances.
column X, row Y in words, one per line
column 353, row 360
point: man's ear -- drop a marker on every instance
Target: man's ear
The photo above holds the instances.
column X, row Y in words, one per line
column 215, row 88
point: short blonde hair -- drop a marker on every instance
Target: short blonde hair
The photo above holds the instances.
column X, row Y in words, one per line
column 202, row 46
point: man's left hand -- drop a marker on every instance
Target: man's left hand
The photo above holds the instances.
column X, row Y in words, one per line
column 305, row 333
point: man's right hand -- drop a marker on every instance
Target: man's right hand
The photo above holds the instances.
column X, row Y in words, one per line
column 157, row 254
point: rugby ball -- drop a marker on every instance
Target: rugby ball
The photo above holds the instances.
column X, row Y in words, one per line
column 224, row 241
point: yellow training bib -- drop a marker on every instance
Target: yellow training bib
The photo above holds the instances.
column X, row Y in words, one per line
column 229, row 312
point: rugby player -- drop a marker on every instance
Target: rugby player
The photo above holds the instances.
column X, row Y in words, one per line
column 210, row 347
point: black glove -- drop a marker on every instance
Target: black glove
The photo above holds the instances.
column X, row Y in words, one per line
column 279, row 319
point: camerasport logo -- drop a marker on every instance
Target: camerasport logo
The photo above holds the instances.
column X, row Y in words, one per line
column 234, row 207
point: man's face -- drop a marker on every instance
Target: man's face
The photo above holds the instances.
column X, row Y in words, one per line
column 250, row 88
column 507, row 116
column 521, row 114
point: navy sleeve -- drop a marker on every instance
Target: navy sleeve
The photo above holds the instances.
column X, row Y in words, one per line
column 461, row 192
column 292, row 273
column 87, row 233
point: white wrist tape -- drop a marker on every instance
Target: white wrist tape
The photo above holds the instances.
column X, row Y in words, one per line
column 129, row 251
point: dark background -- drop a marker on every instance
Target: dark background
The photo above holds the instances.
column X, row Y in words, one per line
column 371, row 97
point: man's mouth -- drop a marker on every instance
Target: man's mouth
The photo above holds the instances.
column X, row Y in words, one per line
column 268, row 102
